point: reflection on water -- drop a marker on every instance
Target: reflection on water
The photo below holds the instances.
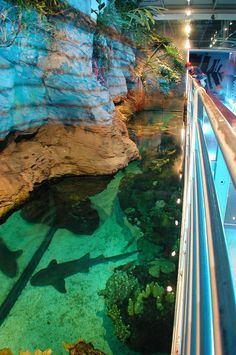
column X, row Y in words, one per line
column 108, row 275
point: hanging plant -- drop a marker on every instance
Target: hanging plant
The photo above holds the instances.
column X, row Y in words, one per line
column 44, row 7
column 10, row 25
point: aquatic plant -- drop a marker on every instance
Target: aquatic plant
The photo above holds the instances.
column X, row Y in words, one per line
column 153, row 195
column 160, row 265
column 136, row 306
column 138, row 316
column 121, row 330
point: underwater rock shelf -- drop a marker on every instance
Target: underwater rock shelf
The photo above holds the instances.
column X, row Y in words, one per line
column 56, row 151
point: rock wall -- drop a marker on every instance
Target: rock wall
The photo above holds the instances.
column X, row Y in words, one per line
column 47, row 80
column 54, row 151
column 46, row 75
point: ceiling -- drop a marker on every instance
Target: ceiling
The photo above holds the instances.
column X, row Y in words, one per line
column 213, row 22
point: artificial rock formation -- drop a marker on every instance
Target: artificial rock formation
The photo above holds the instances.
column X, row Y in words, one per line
column 57, row 150
column 51, row 96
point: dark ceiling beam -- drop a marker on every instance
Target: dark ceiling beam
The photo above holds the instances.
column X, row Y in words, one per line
column 197, row 14
column 174, row 5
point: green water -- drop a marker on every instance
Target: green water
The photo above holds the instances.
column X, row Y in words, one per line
column 123, row 306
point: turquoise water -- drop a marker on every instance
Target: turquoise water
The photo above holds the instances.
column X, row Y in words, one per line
column 122, row 306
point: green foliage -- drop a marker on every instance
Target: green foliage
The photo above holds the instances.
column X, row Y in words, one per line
column 161, row 265
column 138, row 305
column 126, row 5
column 129, row 18
column 44, row 7
column 171, row 50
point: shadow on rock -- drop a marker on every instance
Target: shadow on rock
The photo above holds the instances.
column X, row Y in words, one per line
column 66, row 204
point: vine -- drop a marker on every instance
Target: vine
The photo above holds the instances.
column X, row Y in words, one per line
column 44, row 7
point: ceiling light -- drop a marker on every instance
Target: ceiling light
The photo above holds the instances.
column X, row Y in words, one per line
column 210, row 45
column 188, row 12
column 231, row 23
column 188, row 28
column 187, row 44
column 226, row 29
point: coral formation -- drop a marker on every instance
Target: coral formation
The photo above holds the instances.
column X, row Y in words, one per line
column 8, row 351
column 37, row 352
column 5, row 351
column 121, row 330
column 139, row 314
column 82, row 348
column 118, row 288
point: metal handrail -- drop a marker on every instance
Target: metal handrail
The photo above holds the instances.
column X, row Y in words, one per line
column 205, row 312
column 225, row 135
column 221, row 284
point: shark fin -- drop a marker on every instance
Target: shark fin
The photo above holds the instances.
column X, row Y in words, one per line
column 52, row 262
column 85, row 258
column 60, row 285
column 18, row 253
column 84, row 270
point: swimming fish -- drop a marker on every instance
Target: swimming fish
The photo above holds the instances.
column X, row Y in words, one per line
column 54, row 274
column 8, row 263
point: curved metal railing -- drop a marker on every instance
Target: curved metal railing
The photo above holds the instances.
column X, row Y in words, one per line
column 205, row 314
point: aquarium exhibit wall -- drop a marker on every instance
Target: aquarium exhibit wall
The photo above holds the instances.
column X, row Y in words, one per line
column 90, row 178
column 50, row 75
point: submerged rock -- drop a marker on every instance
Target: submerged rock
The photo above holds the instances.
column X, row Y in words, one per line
column 81, row 348
column 6, row 351
column 58, row 150
column 66, row 203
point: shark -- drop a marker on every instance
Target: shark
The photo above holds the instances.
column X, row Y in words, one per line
column 8, row 263
column 54, row 274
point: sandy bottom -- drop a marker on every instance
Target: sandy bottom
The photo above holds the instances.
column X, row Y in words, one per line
column 42, row 317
